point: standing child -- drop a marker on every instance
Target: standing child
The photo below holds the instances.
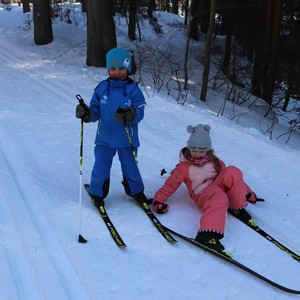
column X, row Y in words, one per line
column 118, row 106
column 214, row 187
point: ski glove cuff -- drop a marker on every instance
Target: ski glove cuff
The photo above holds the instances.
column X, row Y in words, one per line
column 125, row 115
column 159, row 207
column 84, row 113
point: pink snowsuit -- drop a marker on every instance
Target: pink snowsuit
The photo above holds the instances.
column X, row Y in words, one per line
column 214, row 193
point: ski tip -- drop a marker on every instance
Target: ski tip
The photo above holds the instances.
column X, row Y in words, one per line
column 81, row 239
column 172, row 241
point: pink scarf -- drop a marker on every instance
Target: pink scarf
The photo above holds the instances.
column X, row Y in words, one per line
column 199, row 161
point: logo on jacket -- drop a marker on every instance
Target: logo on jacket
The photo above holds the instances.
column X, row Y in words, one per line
column 103, row 100
column 128, row 103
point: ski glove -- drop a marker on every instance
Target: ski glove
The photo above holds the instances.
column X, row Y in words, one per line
column 83, row 112
column 251, row 198
column 125, row 115
column 159, row 207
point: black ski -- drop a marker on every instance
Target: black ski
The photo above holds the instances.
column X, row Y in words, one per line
column 232, row 261
column 250, row 223
column 113, row 231
column 156, row 222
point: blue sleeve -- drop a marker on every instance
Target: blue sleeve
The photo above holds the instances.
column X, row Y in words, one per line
column 95, row 107
column 138, row 103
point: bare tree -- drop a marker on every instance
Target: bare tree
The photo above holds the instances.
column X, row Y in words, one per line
column 151, row 7
column 83, row 5
column 132, row 19
column 270, row 83
column 175, row 8
column 42, row 22
column 208, row 50
column 194, row 16
column 259, row 66
column 186, row 11
column 264, row 68
column 185, row 64
column 101, row 35
column 200, row 13
column 26, row 6
column 228, row 17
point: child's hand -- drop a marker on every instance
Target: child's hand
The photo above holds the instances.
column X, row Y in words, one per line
column 159, row 207
column 251, row 198
column 83, row 112
column 126, row 115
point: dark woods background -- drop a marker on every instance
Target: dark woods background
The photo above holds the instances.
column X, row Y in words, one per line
column 264, row 34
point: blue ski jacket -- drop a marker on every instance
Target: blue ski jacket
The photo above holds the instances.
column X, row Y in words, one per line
column 108, row 96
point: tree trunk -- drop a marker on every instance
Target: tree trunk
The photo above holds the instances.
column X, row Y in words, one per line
column 101, row 35
column 151, row 7
column 228, row 27
column 267, row 48
column 227, row 54
column 194, row 15
column 287, row 95
column 208, row 50
column 186, row 12
column 273, row 51
column 174, row 9
column 185, row 64
column 132, row 19
column 26, row 6
column 260, row 52
column 204, row 15
column 83, row 6
column 42, row 22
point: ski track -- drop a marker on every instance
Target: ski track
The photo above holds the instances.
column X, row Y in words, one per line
column 18, row 258
column 32, row 78
column 28, row 205
column 43, row 252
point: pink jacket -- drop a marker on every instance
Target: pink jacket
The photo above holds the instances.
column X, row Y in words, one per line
column 196, row 178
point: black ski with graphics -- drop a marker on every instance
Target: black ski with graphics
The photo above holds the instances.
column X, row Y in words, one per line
column 250, row 223
column 110, row 226
column 229, row 259
column 156, row 222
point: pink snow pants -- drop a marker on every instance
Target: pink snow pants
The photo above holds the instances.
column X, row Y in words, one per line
column 227, row 190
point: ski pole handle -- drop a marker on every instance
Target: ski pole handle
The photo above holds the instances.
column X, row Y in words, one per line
column 80, row 99
column 81, row 102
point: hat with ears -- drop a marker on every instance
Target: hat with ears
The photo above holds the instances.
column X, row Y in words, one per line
column 118, row 57
column 199, row 139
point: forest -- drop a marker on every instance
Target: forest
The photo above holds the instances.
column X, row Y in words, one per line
column 260, row 53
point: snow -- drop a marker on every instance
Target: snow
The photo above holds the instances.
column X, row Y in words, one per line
column 39, row 209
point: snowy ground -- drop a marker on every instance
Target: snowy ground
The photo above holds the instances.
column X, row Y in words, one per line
column 39, row 192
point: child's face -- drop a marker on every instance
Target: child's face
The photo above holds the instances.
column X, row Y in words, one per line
column 197, row 154
column 117, row 73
